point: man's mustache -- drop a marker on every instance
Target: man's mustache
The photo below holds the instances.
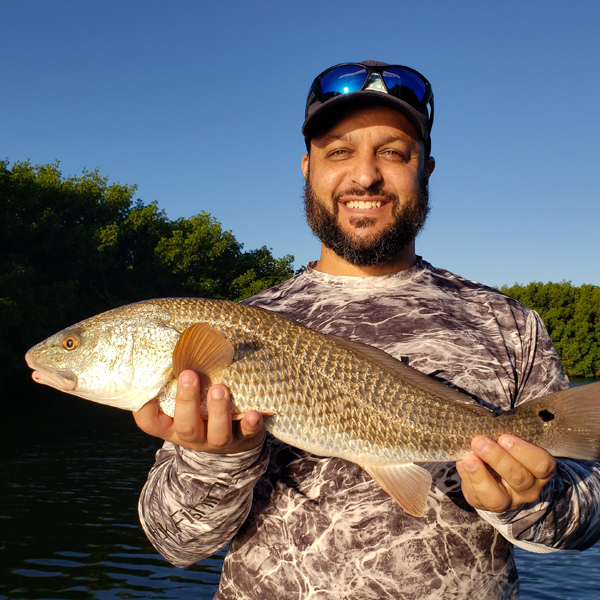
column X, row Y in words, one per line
column 372, row 191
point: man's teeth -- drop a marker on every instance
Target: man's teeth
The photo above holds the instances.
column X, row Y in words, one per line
column 363, row 205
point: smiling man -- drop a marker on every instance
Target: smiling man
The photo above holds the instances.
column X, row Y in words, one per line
column 304, row 526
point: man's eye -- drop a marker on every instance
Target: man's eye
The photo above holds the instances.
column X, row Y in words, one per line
column 396, row 153
column 337, row 153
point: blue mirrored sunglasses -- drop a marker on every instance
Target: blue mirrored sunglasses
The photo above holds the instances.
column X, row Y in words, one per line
column 399, row 81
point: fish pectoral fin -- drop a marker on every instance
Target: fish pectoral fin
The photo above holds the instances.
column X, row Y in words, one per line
column 408, row 484
column 202, row 348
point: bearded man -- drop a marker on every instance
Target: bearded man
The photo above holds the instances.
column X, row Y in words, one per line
column 304, row 526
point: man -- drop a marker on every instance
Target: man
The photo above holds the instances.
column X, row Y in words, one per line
column 304, row 526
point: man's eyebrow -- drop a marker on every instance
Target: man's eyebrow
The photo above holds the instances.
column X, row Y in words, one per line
column 334, row 137
column 399, row 137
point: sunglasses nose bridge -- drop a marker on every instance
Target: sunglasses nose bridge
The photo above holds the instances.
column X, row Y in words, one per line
column 375, row 82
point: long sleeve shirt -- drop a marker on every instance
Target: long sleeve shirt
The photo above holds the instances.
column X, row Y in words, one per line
column 304, row 526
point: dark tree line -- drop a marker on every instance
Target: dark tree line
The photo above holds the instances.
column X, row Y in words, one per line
column 572, row 317
column 71, row 247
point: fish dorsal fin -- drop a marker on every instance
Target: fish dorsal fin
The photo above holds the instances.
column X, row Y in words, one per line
column 203, row 349
column 411, row 376
column 408, row 484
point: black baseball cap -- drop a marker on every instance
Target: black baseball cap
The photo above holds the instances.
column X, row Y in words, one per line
column 366, row 83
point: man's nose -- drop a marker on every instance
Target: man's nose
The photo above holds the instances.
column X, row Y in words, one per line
column 366, row 171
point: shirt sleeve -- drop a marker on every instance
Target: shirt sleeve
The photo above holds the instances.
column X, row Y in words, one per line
column 193, row 503
column 566, row 516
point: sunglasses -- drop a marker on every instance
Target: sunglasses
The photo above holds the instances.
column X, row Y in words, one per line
column 398, row 81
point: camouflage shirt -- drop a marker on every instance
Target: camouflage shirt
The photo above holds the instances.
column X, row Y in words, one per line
column 307, row 527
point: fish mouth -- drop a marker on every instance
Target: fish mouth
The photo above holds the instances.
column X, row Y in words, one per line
column 65, row 381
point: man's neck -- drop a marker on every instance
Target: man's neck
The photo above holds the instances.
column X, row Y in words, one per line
column 333, row 264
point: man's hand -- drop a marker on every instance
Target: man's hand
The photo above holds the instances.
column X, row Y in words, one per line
column 502, row 476
column 218, row 435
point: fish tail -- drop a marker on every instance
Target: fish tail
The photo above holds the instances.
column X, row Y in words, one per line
column 572, row 418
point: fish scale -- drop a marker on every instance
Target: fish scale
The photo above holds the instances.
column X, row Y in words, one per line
column 325, row 395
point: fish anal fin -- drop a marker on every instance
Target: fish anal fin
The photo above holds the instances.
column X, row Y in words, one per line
column 408, row 484
column 203, row 349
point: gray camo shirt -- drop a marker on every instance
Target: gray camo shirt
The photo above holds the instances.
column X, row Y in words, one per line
column 307, row 527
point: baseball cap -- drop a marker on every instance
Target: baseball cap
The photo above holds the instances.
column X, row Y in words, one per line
column 367, row 83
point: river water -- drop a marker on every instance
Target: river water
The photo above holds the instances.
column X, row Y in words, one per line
column 70, row 476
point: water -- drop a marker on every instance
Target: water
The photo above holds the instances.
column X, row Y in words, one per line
column 560, row 575
column 70, row 476
column 69, row 529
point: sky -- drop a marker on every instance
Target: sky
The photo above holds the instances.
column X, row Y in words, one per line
column 200, row 104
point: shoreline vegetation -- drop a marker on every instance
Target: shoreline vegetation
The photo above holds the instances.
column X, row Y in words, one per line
column 72, row 247
column 572, row 317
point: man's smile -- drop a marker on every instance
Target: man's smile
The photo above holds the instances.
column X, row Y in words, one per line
column 355, row 204
column 363, row 204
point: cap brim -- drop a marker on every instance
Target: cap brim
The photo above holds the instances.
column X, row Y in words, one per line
column 323, row 117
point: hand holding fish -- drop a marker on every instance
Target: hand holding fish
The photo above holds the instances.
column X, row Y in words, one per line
column 218, row 435
column 519, row 472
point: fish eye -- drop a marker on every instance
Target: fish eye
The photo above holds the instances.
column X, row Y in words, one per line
column 71, row 342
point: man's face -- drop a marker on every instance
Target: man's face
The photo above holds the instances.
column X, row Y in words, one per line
column 366, row 186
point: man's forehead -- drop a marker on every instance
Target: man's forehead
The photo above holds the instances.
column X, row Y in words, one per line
column 387, row 124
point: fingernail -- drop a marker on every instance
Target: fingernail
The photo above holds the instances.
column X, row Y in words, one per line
column 186, row 380
column 481, row 445
column 470, row 465
column 507, row 443
column 217, row 393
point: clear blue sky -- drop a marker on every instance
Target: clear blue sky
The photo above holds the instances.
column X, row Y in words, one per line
column 200, row 104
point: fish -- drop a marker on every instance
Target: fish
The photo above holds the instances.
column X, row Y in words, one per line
column 323, row 394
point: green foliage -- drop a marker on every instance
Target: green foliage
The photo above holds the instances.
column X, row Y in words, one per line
column 572, row 317
column 73, row 247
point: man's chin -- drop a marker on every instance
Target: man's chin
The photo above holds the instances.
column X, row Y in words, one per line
column 359, row 224
column 363, row 237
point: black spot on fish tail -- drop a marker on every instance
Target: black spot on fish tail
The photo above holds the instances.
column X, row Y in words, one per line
column 546, row 415
column 573, row 416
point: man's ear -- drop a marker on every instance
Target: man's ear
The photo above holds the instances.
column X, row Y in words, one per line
column 305, row 162
column 430, row 165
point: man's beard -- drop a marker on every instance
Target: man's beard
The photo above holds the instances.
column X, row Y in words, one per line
column 378, row 248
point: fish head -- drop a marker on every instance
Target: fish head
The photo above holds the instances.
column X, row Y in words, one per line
column 121, row 358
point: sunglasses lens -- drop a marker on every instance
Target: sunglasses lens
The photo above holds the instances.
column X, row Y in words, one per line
column 405, row 84
column 343, row 80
